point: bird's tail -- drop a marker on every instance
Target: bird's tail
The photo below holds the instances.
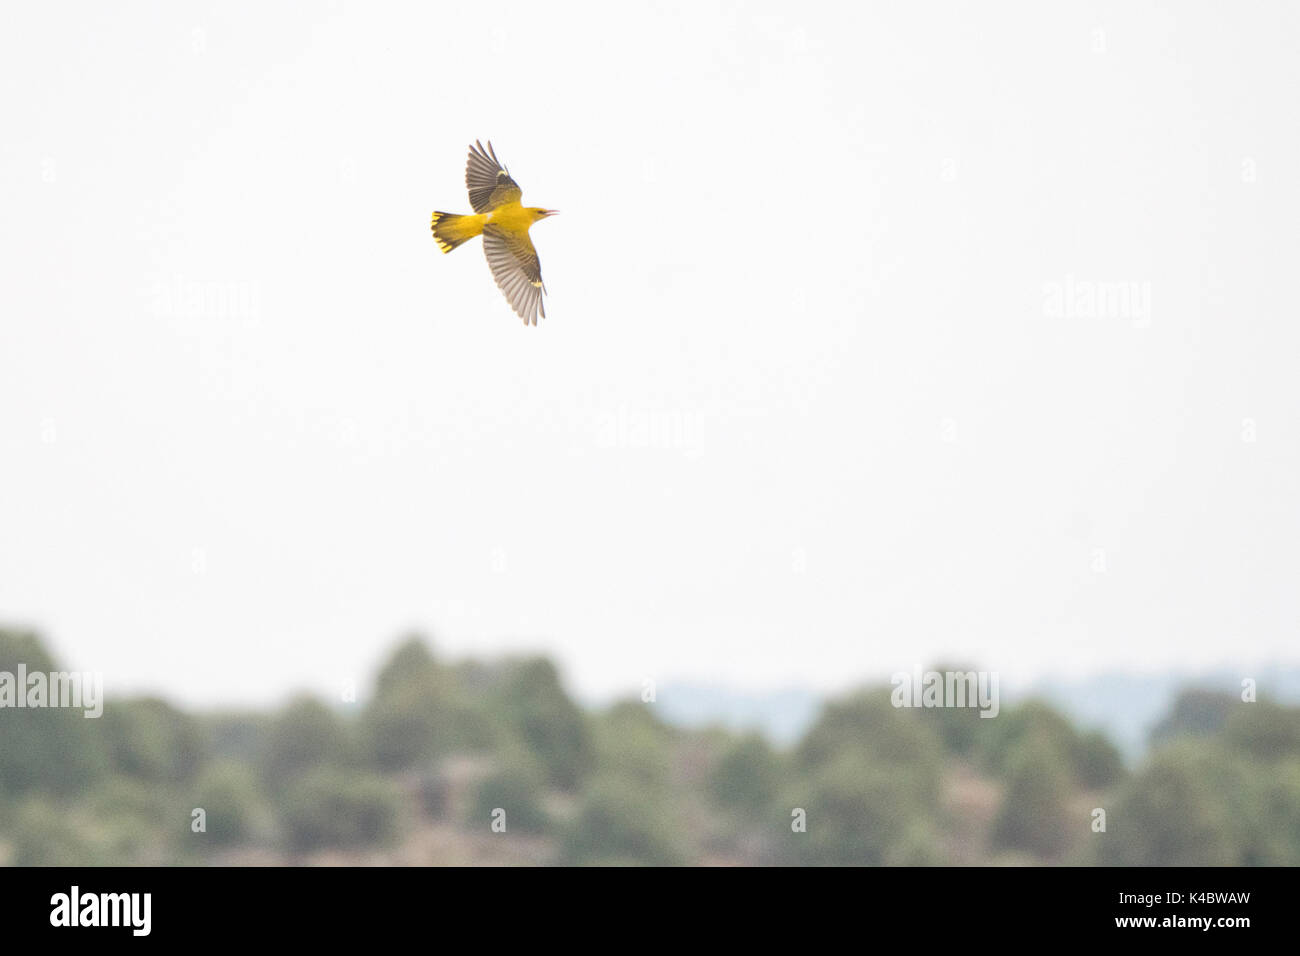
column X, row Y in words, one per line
column 450, row 230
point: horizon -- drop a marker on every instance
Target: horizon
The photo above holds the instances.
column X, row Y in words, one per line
column 1050, row 684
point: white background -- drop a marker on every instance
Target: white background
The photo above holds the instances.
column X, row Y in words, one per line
column 801, row 412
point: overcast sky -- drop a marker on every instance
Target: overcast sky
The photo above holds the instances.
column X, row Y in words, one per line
column 875, row 332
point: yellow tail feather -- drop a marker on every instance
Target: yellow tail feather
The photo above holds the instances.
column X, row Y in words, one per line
column 450, row 230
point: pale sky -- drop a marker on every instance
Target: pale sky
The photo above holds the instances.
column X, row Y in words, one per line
column 876, row 332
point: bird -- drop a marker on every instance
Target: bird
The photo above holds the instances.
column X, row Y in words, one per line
column 504, row 223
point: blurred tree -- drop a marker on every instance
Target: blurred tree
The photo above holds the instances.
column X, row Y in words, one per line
column 146, row 821
column 632, row 743
column 516, row 786
column 1196, row 712
column 868, row 776
column 866, row 725
column 331, row 807
column 1006, row 734
column 921, row 844
column 47, row 834
column 958, row 727
column 1096, row 761
column 122, row 821
column 306, row 734
column 1274, row 822
column 1034, row 816
column 1265, row 730
column 49, row 750
column 416, row 713
column 150, row 739
column 1186, row 806
column 1090, row 759
column 620, row 823
column 411, row 662
column 535, row 709
column 235, row 735
column 120, row 797
column 858, row 813
column 747, row 776
column 230, row 797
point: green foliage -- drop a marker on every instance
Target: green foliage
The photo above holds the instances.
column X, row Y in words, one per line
column 866, row 726
column 1274, row 837
column 859, row 813
column 410, row 663
column 1264, row 730
column 120, row 797
column 632, row 743
column 45, row 834
column 919, row 845
column 1096, row 761
column 958, row 727
column 869, row 781
column 1034, row 816
column 417, row 713
column 1186, row 806
column 335, row 808
column 1228, row 799
column 620, row 823
column 515, row 787
column 229, row 795
column 235, row 735
column 305, row 735
column 46, row 750
column 747, row 776
column 1090, row 758
column 1008, row 732
column 537, row 712
column 150, row 739
column 1196, row 712
column 122, row 821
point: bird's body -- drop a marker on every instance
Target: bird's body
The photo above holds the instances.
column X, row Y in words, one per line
column 503, row 222
column 511, row 216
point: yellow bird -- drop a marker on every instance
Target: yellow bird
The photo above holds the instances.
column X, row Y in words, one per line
column 503, row 223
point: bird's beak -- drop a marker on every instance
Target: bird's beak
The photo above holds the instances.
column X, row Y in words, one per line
column 550, row 212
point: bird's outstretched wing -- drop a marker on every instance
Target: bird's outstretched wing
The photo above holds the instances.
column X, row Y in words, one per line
column 488, row 182
column 517, row 271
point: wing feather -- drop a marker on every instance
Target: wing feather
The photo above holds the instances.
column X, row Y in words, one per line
column 517, row 271
column 489, row 182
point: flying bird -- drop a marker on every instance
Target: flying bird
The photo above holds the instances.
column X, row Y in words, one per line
column 503, row 222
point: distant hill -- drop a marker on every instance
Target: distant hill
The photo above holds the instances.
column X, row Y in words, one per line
column 1124, row 706
column 782, row 716
column 1127, row 707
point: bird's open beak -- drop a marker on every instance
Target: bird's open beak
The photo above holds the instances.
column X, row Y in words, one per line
column 550, row 212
